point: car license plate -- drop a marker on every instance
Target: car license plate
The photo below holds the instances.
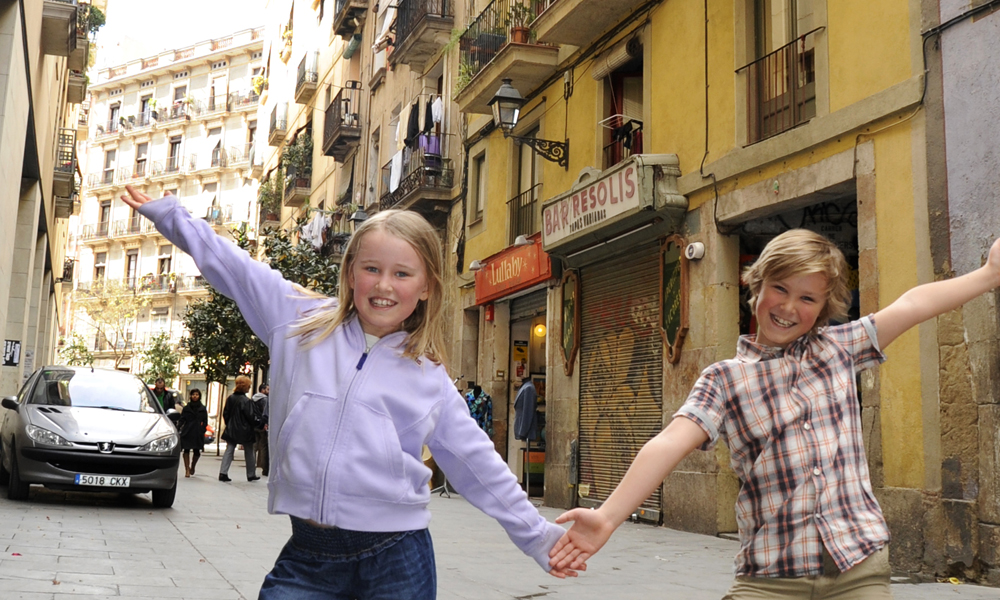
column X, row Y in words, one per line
column 102, row 480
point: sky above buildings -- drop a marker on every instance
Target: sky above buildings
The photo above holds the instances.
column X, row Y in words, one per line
column 138, row 28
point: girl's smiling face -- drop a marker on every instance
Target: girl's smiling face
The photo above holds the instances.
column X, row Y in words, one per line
column 788, row 308
column 388, row 279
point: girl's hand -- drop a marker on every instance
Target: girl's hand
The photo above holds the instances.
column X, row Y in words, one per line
column 590, row 531
column 135, row 198
column 993, row 261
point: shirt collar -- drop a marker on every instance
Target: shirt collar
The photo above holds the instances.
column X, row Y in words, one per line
column 749, row 351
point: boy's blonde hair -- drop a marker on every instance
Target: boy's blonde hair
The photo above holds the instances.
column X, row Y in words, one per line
column 802, row 252
column 426, row 338
column 242, row 384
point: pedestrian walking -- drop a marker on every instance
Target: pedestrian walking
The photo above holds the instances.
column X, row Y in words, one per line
column 361, row 386
column 787, row 406
column 192, row 426
column 166, row 398
column 240, row 419
column 260, row 442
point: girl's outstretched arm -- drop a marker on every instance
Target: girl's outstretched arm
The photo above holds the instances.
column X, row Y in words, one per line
column 932, row 299
column 260, row 292
column 592, row 528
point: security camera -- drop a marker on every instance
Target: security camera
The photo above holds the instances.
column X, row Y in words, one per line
column 694, row 251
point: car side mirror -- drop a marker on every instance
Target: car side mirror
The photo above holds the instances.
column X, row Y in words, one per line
column 10, row 402
column 173, row 415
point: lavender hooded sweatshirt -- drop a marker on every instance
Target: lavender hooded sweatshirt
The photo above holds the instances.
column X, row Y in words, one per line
column 347, row 428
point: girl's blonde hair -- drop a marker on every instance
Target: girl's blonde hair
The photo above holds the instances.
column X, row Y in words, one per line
column 426, row 338
column 802, row 252
column 242, row 384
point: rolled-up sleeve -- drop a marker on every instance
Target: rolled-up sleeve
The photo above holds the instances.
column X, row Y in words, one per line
column 705, row 405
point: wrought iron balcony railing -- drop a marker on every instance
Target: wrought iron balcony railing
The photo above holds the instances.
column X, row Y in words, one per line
column 781, row 88
column 521, row 211
column 342, row 126
column 424, row 170
column 502, row 22
column 409, row 13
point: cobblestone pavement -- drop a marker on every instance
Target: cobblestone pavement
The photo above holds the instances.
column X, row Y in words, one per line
column 218, row 542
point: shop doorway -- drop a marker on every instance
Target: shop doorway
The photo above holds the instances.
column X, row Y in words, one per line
column 528, row 332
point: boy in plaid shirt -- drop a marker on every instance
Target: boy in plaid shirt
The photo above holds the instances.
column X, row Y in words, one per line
column 787, row 407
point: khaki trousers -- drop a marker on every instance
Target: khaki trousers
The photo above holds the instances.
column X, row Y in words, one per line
column 867, row 580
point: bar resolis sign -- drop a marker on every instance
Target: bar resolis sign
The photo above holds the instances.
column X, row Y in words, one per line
column 591, row 206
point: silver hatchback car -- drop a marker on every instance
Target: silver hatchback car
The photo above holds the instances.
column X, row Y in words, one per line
column 83, row 429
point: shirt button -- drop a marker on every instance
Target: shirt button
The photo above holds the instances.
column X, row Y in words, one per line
column 807, row 427
column 816, row 472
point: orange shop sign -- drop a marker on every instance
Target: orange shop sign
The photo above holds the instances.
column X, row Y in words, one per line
column 513, row 269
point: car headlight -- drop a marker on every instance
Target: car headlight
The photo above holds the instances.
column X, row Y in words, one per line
column 44, row 436
column 163, row 444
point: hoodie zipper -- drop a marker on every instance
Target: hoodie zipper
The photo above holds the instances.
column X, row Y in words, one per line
column 336, row 431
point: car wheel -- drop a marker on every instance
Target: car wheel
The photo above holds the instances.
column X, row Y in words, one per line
column 17, row 489
column 164, row 498
column 4, row 473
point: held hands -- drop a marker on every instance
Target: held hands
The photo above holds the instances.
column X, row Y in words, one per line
column 590, row 531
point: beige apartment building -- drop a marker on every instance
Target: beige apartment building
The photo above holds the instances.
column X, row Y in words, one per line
column 43, row 53
column 183, row 122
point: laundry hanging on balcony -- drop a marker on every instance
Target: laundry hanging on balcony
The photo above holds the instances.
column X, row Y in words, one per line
column 312, row 231
column 413, row 126
column 395, row 170
column 437, row 109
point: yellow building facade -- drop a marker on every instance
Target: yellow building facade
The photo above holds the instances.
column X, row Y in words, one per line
column 701, row 129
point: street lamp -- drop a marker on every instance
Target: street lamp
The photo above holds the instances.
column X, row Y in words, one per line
column 359, row 217
column 506, row 105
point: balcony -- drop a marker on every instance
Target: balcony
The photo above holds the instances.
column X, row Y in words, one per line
column 140, row 172
column 305, row 85
column 342, row 126
column 219, row 217
column 129, row 228
column 216, row 105
column 65, row 207
column 111, row 129
column 157, row 284
column 243, row 101
column 498, row 45
column 237, row 157
column 279, row 124
column 422, row 28
column 423, row 184
column 781, row 89
column 579, row 22
column 348, row 17
column 297, row 189
column 65, row 167
column 81, row 49
column 59, row 27
column 99, row 181
column 521, row 211
column 83, row 120
column 256, row 160
column 77, row 87
column 167, row 169
column 624, row 139
column 191, row 284
column 178, row 111
column 95, row 232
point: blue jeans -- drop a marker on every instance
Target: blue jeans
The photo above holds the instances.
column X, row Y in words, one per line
column 336, row 564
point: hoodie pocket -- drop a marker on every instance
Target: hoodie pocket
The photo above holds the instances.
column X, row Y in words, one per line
column 306, row 440
column 370, row 455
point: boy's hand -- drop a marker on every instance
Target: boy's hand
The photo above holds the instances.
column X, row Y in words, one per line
column 590, row 531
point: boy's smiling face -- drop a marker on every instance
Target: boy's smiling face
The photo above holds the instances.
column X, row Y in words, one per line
column 787, row 308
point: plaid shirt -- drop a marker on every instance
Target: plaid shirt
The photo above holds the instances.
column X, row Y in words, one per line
column 793, row 425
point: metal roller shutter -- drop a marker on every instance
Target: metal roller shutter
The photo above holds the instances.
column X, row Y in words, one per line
column 527, row 306
column 621, row 369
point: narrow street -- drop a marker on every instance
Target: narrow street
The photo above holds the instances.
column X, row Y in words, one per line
column 218, row 542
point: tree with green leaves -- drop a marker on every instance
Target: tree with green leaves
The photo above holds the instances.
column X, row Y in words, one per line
column 160, row 358
column 74, row 352
column 113, row 308
column 219, row 340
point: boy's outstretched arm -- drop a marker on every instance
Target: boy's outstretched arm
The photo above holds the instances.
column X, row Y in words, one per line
column 592, row 528
column 932, row 299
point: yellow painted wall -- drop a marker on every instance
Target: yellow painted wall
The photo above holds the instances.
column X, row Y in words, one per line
column 492, row 237
column 902, row 399
column 858, row 70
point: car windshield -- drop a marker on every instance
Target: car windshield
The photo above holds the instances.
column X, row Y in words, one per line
column 97, row 389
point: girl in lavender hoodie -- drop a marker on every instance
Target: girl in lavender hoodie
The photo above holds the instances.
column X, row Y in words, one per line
column 359, row 387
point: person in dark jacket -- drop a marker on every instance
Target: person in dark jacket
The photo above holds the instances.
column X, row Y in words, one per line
column 526, row 411
column 166, row 398
column 192, row 425
column 260, row 405
column 240, row 418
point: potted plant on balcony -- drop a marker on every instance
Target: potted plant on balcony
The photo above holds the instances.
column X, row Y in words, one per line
column 259, row 84
column 151, row 105
column 269, row 198
column 517, row 21
column 297, row 161
column 466, row 72
column 286, row 51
